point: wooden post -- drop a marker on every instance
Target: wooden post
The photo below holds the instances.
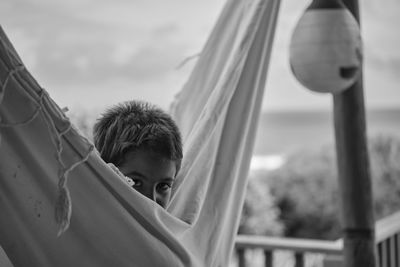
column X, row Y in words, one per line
column 354, row 175
column 241, row 257
column 269, row 258
column 299, row 259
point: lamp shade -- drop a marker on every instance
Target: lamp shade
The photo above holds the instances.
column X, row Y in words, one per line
column 326, row 47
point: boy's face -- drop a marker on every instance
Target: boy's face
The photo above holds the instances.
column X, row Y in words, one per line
column 152, row 173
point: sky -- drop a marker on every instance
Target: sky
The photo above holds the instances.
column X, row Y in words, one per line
column 90, row 54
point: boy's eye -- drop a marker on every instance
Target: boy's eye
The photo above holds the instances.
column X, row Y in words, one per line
column 136, row 182
column 164, row 187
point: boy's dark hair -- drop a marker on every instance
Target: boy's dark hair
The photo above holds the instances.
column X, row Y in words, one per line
column 134, row 125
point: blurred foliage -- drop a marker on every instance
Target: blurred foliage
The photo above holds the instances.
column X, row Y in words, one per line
column 260, row 215
column 306, row 192
column 385, row 169
column 83, row 121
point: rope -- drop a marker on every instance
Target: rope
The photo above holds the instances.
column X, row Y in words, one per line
column 7, row 79
column 9, row 75
column 27, row 121
column 186, row 60
column 63, row 207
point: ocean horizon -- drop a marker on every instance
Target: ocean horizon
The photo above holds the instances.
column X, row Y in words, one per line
column 281, row 133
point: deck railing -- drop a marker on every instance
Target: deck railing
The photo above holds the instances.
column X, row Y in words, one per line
column 299, row 248
column 387, row 240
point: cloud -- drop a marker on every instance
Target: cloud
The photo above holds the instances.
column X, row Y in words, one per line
column 83, row 52
column 135, row 46
column 87, row 61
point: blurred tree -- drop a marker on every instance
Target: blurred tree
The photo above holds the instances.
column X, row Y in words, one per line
column 260, row 216
column 385, row 170
column 305, row 188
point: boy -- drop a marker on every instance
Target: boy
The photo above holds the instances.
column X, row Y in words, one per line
column 144, row 143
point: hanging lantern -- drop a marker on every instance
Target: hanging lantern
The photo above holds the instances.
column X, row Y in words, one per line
column 326, row 47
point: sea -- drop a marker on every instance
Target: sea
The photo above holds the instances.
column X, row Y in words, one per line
column 280, row 133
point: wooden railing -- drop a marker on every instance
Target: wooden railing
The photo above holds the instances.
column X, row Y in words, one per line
column 387, row 240
column 299, row 247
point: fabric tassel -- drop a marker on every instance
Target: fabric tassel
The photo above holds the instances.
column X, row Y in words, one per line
column 63, row 210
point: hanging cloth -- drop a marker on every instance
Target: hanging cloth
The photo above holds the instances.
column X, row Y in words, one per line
column 61, row 205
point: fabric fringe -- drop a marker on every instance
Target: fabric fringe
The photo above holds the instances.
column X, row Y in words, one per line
column 4, row 86
column 63, row 207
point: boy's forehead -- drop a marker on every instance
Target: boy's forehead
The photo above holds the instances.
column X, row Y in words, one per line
column 148, row 164
column 147, row 155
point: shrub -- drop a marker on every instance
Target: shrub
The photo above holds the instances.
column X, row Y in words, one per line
column 260, row 214
column 306, row 192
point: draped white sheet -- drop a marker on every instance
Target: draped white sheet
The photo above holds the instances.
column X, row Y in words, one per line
column 43, row 161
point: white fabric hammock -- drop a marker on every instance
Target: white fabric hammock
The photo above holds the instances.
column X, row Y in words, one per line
column 52, row 182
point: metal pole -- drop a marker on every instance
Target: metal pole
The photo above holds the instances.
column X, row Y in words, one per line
column 355, row 185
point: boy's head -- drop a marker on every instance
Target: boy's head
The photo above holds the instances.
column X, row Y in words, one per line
column 144, row 143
